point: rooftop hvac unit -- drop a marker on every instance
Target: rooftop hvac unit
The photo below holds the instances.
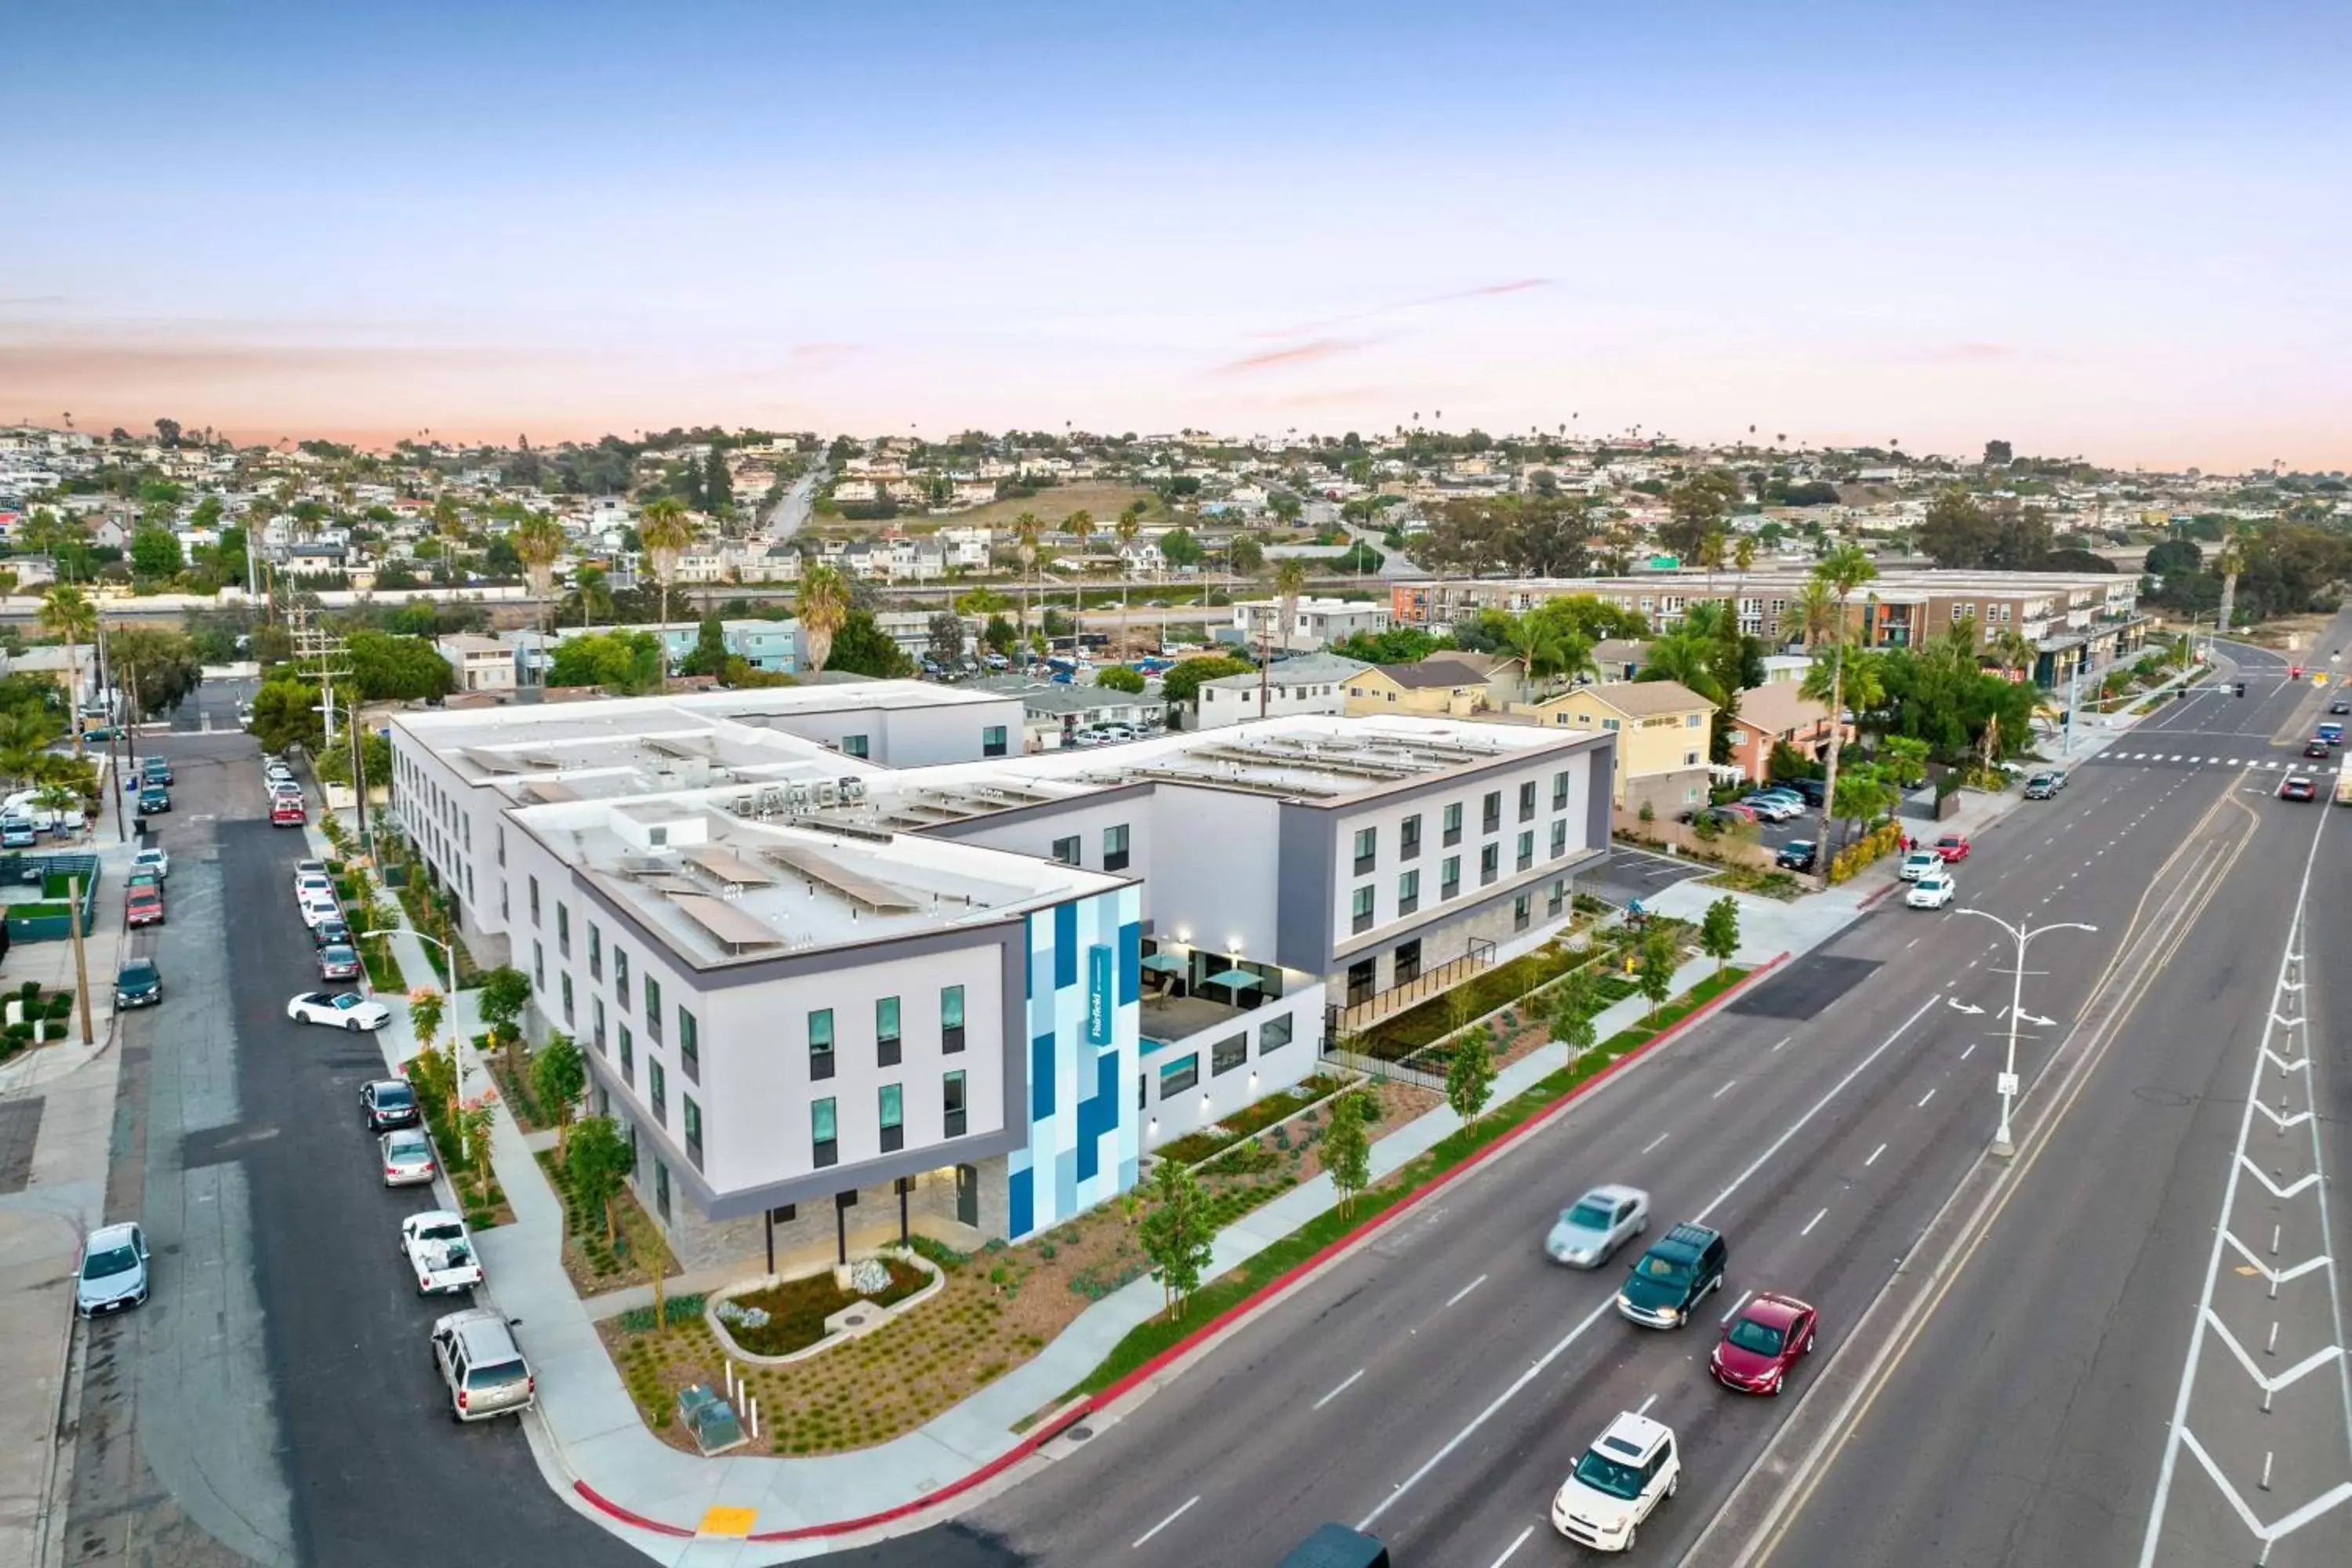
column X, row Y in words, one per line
column 827, row 793
column 796, row 797
column 853, row 788
column 744, row 805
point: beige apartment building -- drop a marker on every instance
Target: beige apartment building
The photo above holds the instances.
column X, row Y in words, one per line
column 1662, row 734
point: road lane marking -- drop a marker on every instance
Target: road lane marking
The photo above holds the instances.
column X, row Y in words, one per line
column 1645, row 1410
column 1513, row 1547
column 1656, row 1141
column 1783, row 1041
column 1165, row 1522
column 1812, row 1222
column 1970, row 1052
column 1924, row 1099
column 1351, row 1381
column 1584, row 1324
column 1450, row 1300
column 1875, row 1154
column 1736, row 1306
column 1912, row 944
column 1729, row 1084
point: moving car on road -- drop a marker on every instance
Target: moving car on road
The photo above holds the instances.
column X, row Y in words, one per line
column 1952, row 849
column 407, row 1157
column 2298, row 786
column 387, row 1102
column 481, row 1365
column 2340, row 706
column 153, row 800
column 2041, row 787
column 138, row 985
column 2318, row 749
column 1918, row 864
column 113, row 1271
column 1932, row 891
column 1668, row 1282
column 1631, row 1469
column 1337, row 1546
column 1596, row 1224
column 1762, row 1343
column 349, row 1010
column 439, row 1253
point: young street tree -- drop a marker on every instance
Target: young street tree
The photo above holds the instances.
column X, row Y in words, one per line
column 1175, row 1234
column 559, row 1075
column 1656, row 979
column 1572, row 1008
column 1470, row 1075
column 597, row 1159
column 1718, row 931
column 1346, row 1152
column 506, row 991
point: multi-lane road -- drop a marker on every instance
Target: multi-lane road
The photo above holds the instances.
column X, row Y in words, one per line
column 1436, row 1386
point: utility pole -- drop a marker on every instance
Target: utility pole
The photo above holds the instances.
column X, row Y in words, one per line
column 81, row 965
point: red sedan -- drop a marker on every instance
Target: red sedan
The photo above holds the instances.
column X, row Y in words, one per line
column 1952, row 849
column 1762, row 1342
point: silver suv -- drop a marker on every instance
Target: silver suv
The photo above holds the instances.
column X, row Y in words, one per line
column 481, row 1366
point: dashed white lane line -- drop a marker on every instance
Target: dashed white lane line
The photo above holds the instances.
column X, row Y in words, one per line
column 1783, row 1041
column 1912, row 944
column 1729, row 1085
column 1875, row 1154
column 1347, row 1385
column 1970, row 1052
column 1513, row 1547
column 1812, row 1222
column 1450, row 1300
column 1656, row 1141
column 1165, row 1522
column 1734, row 1310
column 1645, row 1410
column 1924, row 1099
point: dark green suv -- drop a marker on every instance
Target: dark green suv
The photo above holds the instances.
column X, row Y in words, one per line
column 1668, row 1281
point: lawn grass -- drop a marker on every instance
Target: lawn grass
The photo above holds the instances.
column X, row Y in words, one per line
column 1149, row 1340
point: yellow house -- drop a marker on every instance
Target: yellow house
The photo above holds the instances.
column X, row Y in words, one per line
column 1661, row 729
column 1441, row 685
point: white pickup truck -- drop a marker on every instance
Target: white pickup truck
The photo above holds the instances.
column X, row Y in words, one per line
column 439, row 1253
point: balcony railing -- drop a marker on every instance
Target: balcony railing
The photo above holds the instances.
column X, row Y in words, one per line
column 1421, row 988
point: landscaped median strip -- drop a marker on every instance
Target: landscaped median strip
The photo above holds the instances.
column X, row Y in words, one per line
column 1153, row 1346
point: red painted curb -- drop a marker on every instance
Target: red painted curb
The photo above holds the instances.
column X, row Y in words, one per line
column 1273, row 1290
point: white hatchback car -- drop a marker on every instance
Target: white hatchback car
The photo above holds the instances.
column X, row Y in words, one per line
column 1933, row 891
column 1596, row 1224
column 1630, row 1469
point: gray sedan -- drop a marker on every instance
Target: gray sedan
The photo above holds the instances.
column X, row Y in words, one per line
column 1596, row 1224
column 407, row 1157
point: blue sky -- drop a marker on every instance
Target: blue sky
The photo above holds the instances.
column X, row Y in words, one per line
column 2096, row 228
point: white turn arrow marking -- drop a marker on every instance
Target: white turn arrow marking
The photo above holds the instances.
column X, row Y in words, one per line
column 1958, row 1005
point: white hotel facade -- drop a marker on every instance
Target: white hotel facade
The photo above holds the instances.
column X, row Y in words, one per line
column 941, row 987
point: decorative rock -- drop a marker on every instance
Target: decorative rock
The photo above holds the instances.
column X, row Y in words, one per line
column 869, row 1277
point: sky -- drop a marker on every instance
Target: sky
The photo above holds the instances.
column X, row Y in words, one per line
column 2111, row 230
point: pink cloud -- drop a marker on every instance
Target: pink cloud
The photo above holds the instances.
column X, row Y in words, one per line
column 1308, row 353
column 1483, row 291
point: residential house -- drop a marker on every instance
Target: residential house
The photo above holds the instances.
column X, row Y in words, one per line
column 1662, row 729
column 479, row 663
column 1310, row 683
column 1776, row 714
column 1314, row 623
column 1443, row 685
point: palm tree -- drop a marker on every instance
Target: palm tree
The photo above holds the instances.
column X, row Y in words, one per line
column 1080, row 525
column 67, row 611
column 1289, row 582
column 2228, row 561
column 1129, row 523
column 538, row 543
column 664, row 534
column 1839, row 572
column 822, row 605
column 1024, row 534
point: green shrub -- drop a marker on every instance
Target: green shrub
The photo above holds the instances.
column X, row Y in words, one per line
column 55, row 1029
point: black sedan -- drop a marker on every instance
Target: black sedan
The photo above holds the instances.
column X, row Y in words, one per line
column 2340, row 706
column 332, row 933
column 1796, row 856
column 388, row 1102
column 2316, row 749
column 138, row 985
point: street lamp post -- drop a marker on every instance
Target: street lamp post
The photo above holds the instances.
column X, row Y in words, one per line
column 2001, row 1145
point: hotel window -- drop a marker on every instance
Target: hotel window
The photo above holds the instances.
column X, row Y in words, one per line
column 1179, row 1076
column 563, row 930
column 1519, row 911
column 1366, row 848
column 1228, row 1053
column 1115, row 848
column 1690, row 759
column 653, row 1009
column 1559, row 839
column 538, row 967
column 1409, row 837
column 1407, row 970
column 823, row 1148
column 1528, row 801
column 886, row 1032
column 951, row 1019
column 657, row 1091
column 951, row 1098
column 1490, row 863
column 1066, row 851
column 502, row 846
column 1557, row 897
column 853, row 745
column 991, row 740
column 595, row 952
column 1449, row 878
column 628, row 1057
column 661, row 1189
column 1560, row 792
column 1408, row 892
column 596, row 1023
column 1360, row 910
column 692, row 1114
column 1490, row 813
column 534, row 900
column 621, row 976
column 1453, row 825
column 1526, row 848
column 820, row 1044
column 563, row 983
column 690, row 1047
column 894, row 1118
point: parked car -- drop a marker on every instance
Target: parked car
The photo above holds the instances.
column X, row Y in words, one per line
column 1681, row 1268
column 349, row 1010
column 330, row 933
column 1596, row 1224
column 156, row 860
column 1815, row 792
column 138, row 985
column 287, row 813
column 308, row 868
column 113, row 1271
column 157, row 770
column 1631, row 1469
column 153, row 800
column 1932, row 891
column 481, row 1365
column 142, row 907
column 339, row 960
column 1774, row 807
column 1796, row 856
column 407, row 1157
column 388, row 1102
column 317, row 907
column 1763, row 1342
column 439, row 1253
column 17, row 832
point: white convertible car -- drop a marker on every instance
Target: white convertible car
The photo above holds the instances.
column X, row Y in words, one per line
column 346, row 1010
